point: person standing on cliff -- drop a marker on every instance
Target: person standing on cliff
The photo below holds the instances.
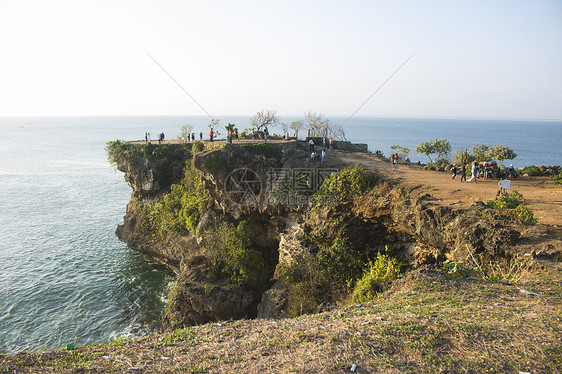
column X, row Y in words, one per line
column 323, row 159
column 211, row 135
column 265, row 134
column 331, row 144
column 201, row 136
column 454, row 171
column 311, row 145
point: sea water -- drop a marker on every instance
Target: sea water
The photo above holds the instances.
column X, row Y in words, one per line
column 65, row 278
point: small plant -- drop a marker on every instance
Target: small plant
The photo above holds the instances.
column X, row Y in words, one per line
column 384, row 269
column 185, row 335
column 512, row 203
column 556, row 179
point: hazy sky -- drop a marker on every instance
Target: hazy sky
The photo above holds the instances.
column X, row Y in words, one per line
column 484, row 59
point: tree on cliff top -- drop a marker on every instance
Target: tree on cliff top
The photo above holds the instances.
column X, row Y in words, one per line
column 185, row 133
column 296, row 126
column 264, row 119
column 439, row 146
column 501, row 153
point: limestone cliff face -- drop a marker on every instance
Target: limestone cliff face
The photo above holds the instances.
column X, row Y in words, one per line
column 407, row 222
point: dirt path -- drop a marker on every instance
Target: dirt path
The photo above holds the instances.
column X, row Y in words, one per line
column 541, row 195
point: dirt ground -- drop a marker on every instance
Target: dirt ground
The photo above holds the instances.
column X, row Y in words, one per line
column 540, row 194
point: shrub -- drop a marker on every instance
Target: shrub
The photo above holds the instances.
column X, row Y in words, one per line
column 523, row 213
column 556, row 179
column 306, row 286
column 119, row 151
column 510, row 201
column 533, row 171
column 197, row 147
column 384, row 269
column 232, row 253
column 512, row 204
column 352, row 181
column 340, row 264
column 177, row 212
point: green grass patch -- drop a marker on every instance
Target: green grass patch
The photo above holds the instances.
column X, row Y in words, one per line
column 263, row 149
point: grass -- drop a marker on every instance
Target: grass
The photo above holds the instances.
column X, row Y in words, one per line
column 429, row 321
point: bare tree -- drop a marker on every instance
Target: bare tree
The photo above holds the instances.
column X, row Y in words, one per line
column 320, row 126
column 264, row 119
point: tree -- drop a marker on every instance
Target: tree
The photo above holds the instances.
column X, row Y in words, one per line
column 442, row 148
column 320, row 126
column 185, row 133
column 501, row 153
column 296, row 126
column 465, row 156
column 426, row 148
column 230, row 127
column 264, row 119
column 403, row 152
column 285, row 127
column 481, row 152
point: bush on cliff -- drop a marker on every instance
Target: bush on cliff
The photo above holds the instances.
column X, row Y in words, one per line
column 384, row 269
column 512, row 203
column 177, row 212
column 352, row 181
column 119, row 151
column 231, row 252
column 533, row 171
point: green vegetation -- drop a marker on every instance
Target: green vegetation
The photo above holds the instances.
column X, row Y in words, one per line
column 556, row 179
column 501, row 153
column 177, row 212
column 185, row 336
column 119, row 151
column 512, row 203
column 263, row 149
column 232, row 253
column 403, row 152
column 384, row 269
column 185, row 133
column 352, row 181
column 533, row 171
column 441, row 147
column 481, row 152
column 340, row 264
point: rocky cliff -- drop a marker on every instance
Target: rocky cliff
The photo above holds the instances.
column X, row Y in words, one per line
column 261, row 242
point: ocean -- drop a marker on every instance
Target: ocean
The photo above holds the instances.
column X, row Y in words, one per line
column 67, row 279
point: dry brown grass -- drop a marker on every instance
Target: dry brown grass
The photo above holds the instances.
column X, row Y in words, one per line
column 427, row 322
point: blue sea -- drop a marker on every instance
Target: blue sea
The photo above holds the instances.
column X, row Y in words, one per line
column 67, row 279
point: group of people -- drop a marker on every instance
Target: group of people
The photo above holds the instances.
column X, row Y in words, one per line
column 231, row 134
column 147, row 137
column 314, row 156
column 485, row 170
column 394, row 161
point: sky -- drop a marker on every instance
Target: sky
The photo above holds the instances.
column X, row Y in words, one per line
column 471, row 59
